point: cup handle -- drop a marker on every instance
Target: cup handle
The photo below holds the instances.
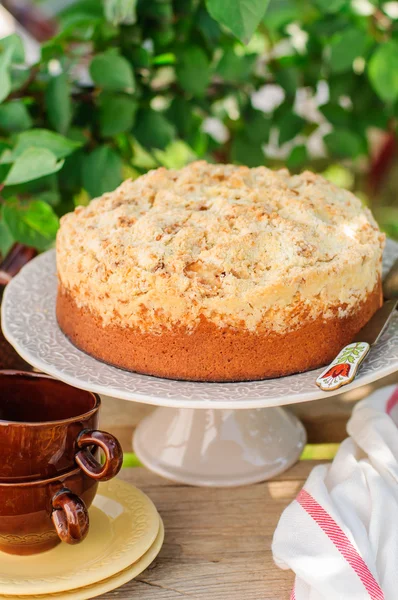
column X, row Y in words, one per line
column 111, row 448
column 70, row 516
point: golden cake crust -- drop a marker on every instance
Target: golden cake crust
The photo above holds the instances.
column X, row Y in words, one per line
column 251, row 249
column 212, row 353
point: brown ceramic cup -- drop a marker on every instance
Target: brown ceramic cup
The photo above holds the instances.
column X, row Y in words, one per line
column 48, row 428
column 37, row 515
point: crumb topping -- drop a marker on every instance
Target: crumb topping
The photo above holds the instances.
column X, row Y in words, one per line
column 251, row 248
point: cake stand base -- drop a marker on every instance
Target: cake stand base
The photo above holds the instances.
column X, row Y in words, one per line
column 219, row 448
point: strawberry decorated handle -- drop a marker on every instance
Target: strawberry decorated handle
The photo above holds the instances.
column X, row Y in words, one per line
column 344, row 367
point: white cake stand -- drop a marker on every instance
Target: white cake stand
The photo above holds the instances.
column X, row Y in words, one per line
column 240, row 435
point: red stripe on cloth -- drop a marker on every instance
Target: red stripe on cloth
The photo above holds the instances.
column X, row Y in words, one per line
column 293, row 595
column 392, row 401
column 342, row 543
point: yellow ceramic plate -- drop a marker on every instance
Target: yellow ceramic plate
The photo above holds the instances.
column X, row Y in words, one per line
column 124, row 524
column 91, row 591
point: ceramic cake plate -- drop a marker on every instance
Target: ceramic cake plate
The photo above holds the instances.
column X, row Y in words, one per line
column 240, row 435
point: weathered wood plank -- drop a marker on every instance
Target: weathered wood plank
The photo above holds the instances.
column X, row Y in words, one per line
column 217, row 543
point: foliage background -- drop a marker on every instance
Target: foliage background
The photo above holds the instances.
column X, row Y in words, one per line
column 125, row 86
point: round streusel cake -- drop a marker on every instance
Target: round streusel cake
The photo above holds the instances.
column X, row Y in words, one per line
column 218, row 273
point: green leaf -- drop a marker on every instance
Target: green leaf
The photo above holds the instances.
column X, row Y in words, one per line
column 165, row 36
column 102, row 171
column 90, row 8
column 6, row 239
column 5, row 81
column 77, row 135
column 345, row 47
column 112, row 72
column 5, row 63
column 41, row 217
column 13, row 44
column 58, row 145
column 167, row 58
column 180, row 113
column 160, row 10
column 49, row 197
column 336, row 115
column 257, row 127
column 176, row 155
column 32, row 189
column 233, row 67
column 383, row 71
column 298, row 157
column 209, row 27
column 193, row 71
column 6, row 54
column 19, row 77
column 51, row 49
column 3, row 173
column 120, row 11
column 240, row 16
column 199, row 141
column 141, row 158
column 325, row 27
column 290, row 126
column 79, row 20
column 344, row 143
column 280, row 13
column 140, row 58
column 32, row 223
column 78, row 15
column 117, row 114
column 341, row 85
column 14, row 116
column 58, row 103
column 289, row 79
column 70, row 176
column 331, row 6
column 32, row 164
column 245, row 152
column 153, row 130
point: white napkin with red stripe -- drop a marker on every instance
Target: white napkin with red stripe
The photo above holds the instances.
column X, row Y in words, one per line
column 340, row 535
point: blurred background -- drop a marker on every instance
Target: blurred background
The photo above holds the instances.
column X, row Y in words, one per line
column 95, row 91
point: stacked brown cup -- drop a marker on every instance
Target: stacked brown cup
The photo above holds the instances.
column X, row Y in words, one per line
column 49, row 461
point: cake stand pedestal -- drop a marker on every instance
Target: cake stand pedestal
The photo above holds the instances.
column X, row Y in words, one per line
column 219, row 447
column 217, row 434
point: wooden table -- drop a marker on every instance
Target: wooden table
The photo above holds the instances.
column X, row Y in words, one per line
column 217, row 541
